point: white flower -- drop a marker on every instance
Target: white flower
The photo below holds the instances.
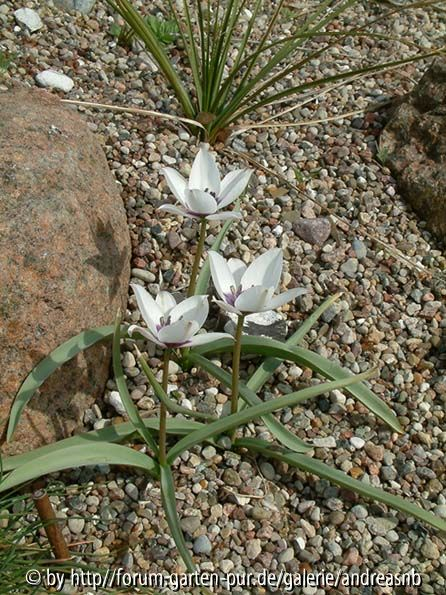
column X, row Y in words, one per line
column 250, row 289
column 204, row 195
column 170, row 324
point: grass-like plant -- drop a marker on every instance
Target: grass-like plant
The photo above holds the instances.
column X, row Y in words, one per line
column 175, row 329
column 17, row 554
column 25, row 563
column 239, row 67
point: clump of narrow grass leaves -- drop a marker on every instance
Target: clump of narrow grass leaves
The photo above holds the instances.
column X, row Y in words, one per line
column 237, row 72
column 177, row 330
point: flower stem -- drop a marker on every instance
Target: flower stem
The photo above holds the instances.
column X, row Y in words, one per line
column 196, row 265
column 163, row 410
column 236, row 364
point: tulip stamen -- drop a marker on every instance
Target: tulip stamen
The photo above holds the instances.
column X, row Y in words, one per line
column 163, row 322
column 231, row 297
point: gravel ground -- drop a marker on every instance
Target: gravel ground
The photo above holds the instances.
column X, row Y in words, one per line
column 241, row 514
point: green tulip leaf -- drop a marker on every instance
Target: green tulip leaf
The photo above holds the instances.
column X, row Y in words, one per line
column 302, row 356
column 78, row 456
column 235, row 420
column 316, row 467
column 50, row 364
column 282, row 434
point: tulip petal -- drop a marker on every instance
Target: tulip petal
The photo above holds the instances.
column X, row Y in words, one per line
column 178, row 333
column 221, row 274
column 266, row 270
column 226, row 307
column 175, row 210
column 237, row 268
column 176, row 183
column 286, row 296
column 200, row 203
column 204, row 174
column 233, row 184
column 149, row 309
column 195, row 308
column 166, row 302
column 145, row 333
column 222, row 215
column 203, row 338
column 254, row 299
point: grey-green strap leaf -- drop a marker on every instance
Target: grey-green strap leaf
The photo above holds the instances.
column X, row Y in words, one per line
column 235, row 420
column 112, row 433
column 270, row 347
column 170, row 405
column 316, row 467
column 130, row 407
column 270, row 365
column 48, row 365
column 282, row 434
column 170, row 509
column 78, row 456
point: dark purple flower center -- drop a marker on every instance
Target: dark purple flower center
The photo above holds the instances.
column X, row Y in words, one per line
column 231, row 297
column 162, row 323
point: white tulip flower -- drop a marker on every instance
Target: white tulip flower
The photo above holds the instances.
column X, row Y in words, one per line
column 205, row 194
column 171, row 325
column 245, row 290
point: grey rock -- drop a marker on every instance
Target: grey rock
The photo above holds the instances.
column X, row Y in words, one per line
column 328, row 442
column 388, row 473
column 331, row 312
column 350, row 267
column 267, row 324
column 115, row 401
column 83, row 6
column 314, row 231
column 54, row 80
column 357, row 442
column 128, row 360
column 190, row 524
column 439, row 510
column 360, row 512
column 76, row 525
column 202, row 545
column 174, row 239
column 232, row 478
column 226, row 566
column 253, row 548
column 127, row 560
column 286, row 556
column 28, row 17
column 132, row 491
column 108, row 514
column 334, row 548
column 144, row 275
column 268, row 470
column 209, row 452
column 380, row 526
column 430, row 550
column 360, row 249
column 258, row 513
